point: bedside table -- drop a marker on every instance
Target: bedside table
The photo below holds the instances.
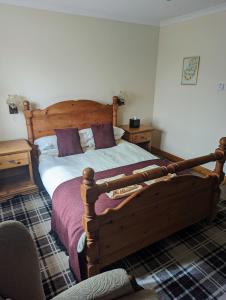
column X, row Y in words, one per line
column 16, row 174
column 140, row 136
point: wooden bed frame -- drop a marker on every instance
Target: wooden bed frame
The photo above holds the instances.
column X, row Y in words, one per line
column 145, row 217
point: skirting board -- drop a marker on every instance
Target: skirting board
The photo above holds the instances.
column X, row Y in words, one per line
column 201, row 170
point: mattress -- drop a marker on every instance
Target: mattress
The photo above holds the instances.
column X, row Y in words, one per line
column 55, row 170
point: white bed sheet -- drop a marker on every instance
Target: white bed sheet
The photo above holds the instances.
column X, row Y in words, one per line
column 55, row 170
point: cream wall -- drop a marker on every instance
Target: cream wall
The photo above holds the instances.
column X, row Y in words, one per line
column 49, row 56
column 191, row 118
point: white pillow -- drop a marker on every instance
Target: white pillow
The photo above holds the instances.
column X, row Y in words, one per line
column 48, row 144
column 118, row 133
column 87, row 139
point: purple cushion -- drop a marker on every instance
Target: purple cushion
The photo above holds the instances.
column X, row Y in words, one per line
column 103, row 135
column 68, row 141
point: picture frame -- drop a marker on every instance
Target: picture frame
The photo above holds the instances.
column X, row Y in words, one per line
column 190, row 70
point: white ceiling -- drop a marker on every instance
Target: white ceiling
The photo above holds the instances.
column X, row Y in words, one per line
column 151, row 12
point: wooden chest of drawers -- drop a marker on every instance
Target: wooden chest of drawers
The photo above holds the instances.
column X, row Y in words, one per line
column 16, row 174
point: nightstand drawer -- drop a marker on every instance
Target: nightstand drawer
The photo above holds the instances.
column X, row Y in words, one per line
column 141, row 137
column 13, row 160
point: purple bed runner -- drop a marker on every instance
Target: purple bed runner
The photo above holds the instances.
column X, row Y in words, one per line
column 67, row 208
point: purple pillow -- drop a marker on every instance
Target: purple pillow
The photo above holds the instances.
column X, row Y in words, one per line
column 103, row 136
column 68, row 141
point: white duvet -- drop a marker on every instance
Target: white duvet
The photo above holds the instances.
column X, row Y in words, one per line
column 55, row 170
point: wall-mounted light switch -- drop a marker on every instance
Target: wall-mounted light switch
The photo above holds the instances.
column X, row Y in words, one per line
column 221, row 86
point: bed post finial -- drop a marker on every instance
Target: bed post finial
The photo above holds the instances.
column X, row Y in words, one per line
column 223, row 145
column 28, row 117
column 221, row 155
column 26, row 105
column 88, row 176
column 115, row 109
column 89, row 195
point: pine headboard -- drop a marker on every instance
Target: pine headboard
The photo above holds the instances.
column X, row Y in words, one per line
column 69, row 113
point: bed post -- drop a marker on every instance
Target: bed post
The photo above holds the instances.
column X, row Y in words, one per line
column 219, row 166
column 218, row 173
column 90, row 223
column 115, row 109
column 28, row 117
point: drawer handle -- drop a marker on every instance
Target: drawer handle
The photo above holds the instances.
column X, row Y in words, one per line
column 14, row 162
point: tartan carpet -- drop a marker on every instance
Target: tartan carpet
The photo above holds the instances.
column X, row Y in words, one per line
column 190, row 264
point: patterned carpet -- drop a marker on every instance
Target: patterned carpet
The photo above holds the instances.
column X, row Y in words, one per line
column 189, row 265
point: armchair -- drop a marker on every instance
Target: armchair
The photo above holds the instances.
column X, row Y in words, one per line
column 20, row 274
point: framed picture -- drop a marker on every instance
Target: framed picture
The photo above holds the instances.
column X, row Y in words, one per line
column 190, row 70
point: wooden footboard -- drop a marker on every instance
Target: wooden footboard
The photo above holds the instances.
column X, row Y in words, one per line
column 151, row 214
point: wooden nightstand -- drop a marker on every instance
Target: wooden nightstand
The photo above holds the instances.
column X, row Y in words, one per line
column 16, row 174
column 140, row 136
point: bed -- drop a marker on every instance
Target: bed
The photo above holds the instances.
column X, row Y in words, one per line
column 113, row 229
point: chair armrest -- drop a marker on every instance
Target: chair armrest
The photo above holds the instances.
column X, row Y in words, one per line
column 108, row 285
